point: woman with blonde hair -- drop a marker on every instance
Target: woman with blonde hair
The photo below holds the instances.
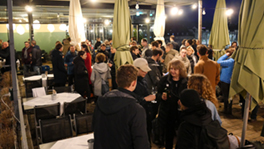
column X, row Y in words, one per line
column 202, row 85
column 169, row 89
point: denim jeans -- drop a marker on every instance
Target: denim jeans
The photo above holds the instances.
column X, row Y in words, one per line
column 27, row 68
column 37, row 69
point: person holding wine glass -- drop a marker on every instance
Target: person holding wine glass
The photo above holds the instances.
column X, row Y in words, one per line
column 169, row 89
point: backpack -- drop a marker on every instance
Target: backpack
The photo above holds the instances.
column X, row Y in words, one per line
column 213, row 136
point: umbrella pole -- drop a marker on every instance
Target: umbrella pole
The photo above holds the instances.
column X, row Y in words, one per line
column 245, row 120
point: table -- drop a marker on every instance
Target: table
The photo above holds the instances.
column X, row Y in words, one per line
column 46, row 100
column 79, row 142
column 38, row 77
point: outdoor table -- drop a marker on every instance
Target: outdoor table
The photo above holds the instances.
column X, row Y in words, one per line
column 79, row 142
column 38, row 77
column 47, row 100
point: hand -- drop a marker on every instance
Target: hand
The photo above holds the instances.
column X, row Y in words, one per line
column 164, row 96
column 150, row 97
column 162, row 60
column 65, row 65
column 228, row 54
column 110, row 65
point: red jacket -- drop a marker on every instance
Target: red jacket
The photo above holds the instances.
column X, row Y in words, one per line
column 88, row 65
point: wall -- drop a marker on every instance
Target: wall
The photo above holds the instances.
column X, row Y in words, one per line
column 44, row 37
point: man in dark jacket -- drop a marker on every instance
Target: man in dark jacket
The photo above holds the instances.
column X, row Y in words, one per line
column 36, row 57
column 103, row 50
column 27, row 57
column 60, row 73
column 111, row 64
column 195, row 115
column 134, row 52
column 97, row 44
column 68, row 61
column 119, row 122
column 175, row 44
column 5, row 54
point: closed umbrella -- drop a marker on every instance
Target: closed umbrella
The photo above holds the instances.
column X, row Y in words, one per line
column 248, row 74
column 121, row 33
column 76, row 26
column 159, row 24
column 219, row 36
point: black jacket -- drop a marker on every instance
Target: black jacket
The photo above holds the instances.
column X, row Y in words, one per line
column 119, row 122
column 81, row 76
column 97, row 44
column 60, row 73
column 106, row 53
column 169, row 106
column 190, row 129
column 29, row 52
column 175, row 45
column 36, row 56
column 191, row 59
column 134, row 56
column 153, row 77
column 5, row 54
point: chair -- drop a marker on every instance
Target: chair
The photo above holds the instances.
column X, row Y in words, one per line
column 63, row 89
column 55, row 129
column 76, row 107
column 83, row 123
column 44, row 113
column 29, row 85
column 38, row 92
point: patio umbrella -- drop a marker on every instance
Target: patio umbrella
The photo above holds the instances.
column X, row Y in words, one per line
column 121, row 33
column 159, row 24
column 247, row 74
column 76, row 27
column 219, row 37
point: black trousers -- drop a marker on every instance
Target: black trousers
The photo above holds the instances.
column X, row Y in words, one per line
column 225, row 91
column 71, row 79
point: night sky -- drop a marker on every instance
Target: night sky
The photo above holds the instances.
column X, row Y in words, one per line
column 189, row 18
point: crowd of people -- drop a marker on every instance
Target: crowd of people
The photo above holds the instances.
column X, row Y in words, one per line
column 172, row 84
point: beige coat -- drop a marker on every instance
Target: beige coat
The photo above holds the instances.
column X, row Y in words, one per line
column 210, row 69
column 186, row 63
column 169, row 56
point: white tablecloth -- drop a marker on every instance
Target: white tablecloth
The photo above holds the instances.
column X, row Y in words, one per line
column 38, row 77
column 46, row 100
column 79, row 142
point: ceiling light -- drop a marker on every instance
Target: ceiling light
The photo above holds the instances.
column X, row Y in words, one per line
column 93, row 0
column 111, row 31
column 84, row 20
column 147, row 20
column 29, row 8
column 194, row 6
column 91, row 31
column 20, row 20
column 106, row 22
column 51, row 27
column 100, row 30
column 174, row 10
column 137, row 6
column 63, row 27
column 180, row 12
column 204, row 13
column 20, row 30
column 36, row 24
column 137, row 14
column 229, row 12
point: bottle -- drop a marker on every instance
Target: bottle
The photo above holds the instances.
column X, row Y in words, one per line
column 53, row 96
column 18, row 64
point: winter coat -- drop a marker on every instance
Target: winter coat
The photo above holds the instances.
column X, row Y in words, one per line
column 134, row 56
column 106, row 53
column 227, row 65
column 29, row 52
column 81, row 78
column 97, row 44
column 210, row 69
column 186, row 63
column 169, row 56
column 194, row 119
column 88, row 65
column 146, row 53
column 193, row 60
column 153, row 77
column 5, row 54
column 36, row 56
column 169, row 107
column 60, row 73
column 119, row 122
column 66, row 46
column 175, row 45
column 100, row 70
column 68, row 59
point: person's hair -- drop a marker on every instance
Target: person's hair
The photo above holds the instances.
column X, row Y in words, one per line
column 145, row 40
column 81, row 53
column 159, row 41
column 69, row 39
column 178, row 64
column 194, row 42
column 106, row 42
column 33, row 42
column 155, row 43
column 86, row 48
column 26, row 42
column 57, row 42
column 234, row 42
column 1, row 40
column 169, row 45
column 183, row 41
column 109, row 39
column 202, row 49
column 172, row 37
column 133, row 48
column 102, row 45
column 125, row 75
column 155, row 52
column 183, row 48
column 100, row 57
column 134, row 42
column 190, row 41
column 58, row 46
column 230, row 50
column 134, row 38
column 202, row 85
column 210, row 46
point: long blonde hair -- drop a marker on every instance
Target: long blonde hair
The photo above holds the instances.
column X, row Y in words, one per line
column 202, row 85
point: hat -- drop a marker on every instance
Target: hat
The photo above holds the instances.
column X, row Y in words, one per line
column 142, row 64
column 190, row 98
